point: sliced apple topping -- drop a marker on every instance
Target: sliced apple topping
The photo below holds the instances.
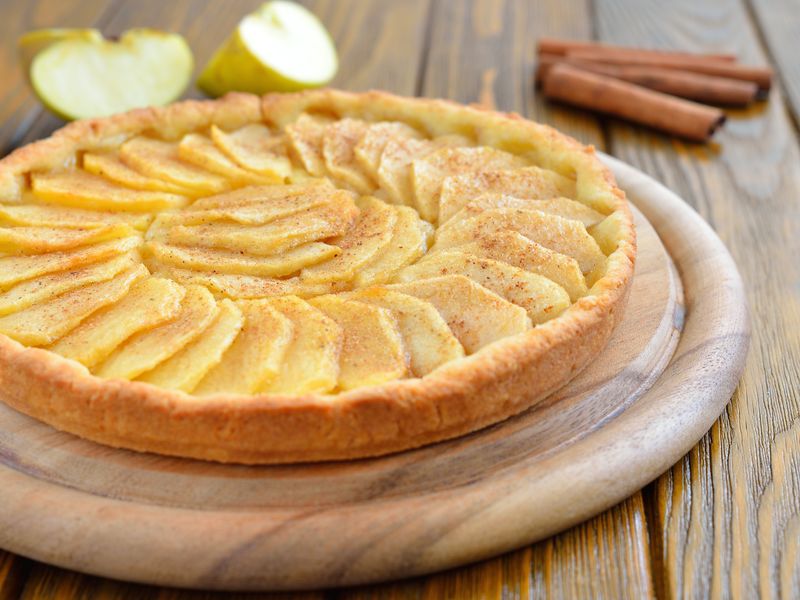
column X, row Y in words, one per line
column 519, row 251
column 338, row 150
column 159, row 159
column 148, row 303
column 187, row 367
column 255, row 357
column 305, row 138
column 428, row 173
column 370, row 147
column 220, row 261
column 44, row 323
column 409, row 241
column 35, row 215
column 14, row 269
column 38, row 240
column 372, row 348
column 540, row 297
column 84, row 190
column 561, row 207
column 527, row 182
column 111, row 167
column 256, row 148
column 426, row 335
column 330, row 220
column 317, row 188
column 147, row 349
column 200, row 151
column 311, row 364
column 371, row 233
column 556, row 233
column 476, row 315
column 49, row 286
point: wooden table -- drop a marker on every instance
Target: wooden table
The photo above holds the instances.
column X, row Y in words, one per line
column 725, row 520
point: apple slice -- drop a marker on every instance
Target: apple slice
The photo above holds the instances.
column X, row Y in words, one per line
column 311, row 364
column 409, row 241
column 251, row 213
column 338, row 150
column 87, row 76
column 371, row 233
column 556, row 233
column 306, row 138
column 428, row 173
column 148, row 303
column 540, row 297
column 84, row 190
column 369, row 148
column 281, row 47
column 159, row 159
column 266, row 194
column 153, row 345
column 256, row 148
column 475, row 315
column 426, row 335
column 111, row 167
column 44, row 323
column 14, row 269
column 34, row 215
column 372, row 348
column 527, row 182
column 49, row 286
column 187, row 367
column 561, row 207
column 220, row 261
column 519, row 251
column 202, row 152
column 255, row 357
column 38, row 240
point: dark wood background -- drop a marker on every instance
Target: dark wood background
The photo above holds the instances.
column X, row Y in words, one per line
column 725, row 520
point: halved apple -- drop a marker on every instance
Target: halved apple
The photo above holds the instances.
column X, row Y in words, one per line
column 44, row 323
column 256, row 148
column 187, row 367
column 147, row 349
column 49, row 286
column 372, row 347
column 14, row 269
column 148, row 303
column 33, row 42
column 35, row 215
column 527, row 182
column 561, row 207
column 428, row 173
column 475, row 315
column 84, row 190
column 311, row 364
column 409, row 241
column 540, row 297
column 426, row 335
column 255, row 357
column 38, row 240
column 88, row 76
column 370, row 234
column 281, row 47
column 338, row 150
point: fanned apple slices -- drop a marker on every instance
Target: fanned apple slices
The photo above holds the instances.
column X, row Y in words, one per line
column 317, row 257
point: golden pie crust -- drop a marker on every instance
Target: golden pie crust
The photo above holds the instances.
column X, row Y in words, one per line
column 498, row 380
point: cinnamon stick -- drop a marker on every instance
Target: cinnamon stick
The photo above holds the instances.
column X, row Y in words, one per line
column 700, row 87
column 666, row 113
column 761, row 76
column 561, row 47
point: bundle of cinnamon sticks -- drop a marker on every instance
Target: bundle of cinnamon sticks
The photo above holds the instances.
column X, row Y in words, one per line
column 665, row 90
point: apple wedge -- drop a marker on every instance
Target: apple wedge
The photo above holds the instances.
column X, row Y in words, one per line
column 338, row 151
column 256, row 148
column 85, row 75
column 34, row 215
column 111, row 167
column 561, row 207
column 38, row 240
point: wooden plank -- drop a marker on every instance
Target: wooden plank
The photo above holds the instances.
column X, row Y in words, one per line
column 727, row 516
column 13, row 572
column 18, row 106
column 779, row 22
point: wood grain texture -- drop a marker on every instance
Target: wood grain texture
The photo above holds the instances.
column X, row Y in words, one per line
column 726, row 517
column 779, row 22
column 13, row 573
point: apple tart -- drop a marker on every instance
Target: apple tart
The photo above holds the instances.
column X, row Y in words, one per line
column 302, row 277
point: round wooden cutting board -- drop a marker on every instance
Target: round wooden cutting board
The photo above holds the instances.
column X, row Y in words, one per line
column 667, row 373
